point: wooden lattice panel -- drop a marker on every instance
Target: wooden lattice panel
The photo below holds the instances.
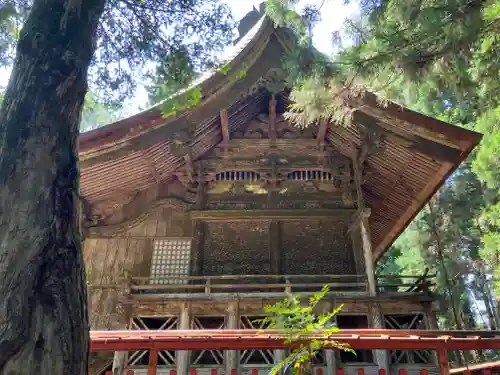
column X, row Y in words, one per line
column 170, row 260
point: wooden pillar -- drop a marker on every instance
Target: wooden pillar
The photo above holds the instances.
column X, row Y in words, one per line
column 279, row 356
column 382, row 358
column 366, row 240
column 182, row 356
column 232, row 356
column 357, row 248
column 332, row 357
column 275, row 246
column 124, row 311
column 120, row 363
column 430, row 318
column 430, row 321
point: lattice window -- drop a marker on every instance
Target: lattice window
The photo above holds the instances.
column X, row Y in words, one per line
column 255, row 357
column 170, row 260
column 408, row 322
column 207, row 357
column 165, row 357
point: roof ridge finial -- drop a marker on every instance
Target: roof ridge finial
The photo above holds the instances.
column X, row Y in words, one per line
column 250, row 20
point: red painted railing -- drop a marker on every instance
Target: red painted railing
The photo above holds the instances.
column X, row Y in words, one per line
column 319, row 371
column 153, row 341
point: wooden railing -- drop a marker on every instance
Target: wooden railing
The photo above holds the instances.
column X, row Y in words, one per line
column 405, row 283
column 257, row 371
column 275, row 284
column 244, row 284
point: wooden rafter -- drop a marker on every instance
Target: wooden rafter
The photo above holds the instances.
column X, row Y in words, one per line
column 151, row 166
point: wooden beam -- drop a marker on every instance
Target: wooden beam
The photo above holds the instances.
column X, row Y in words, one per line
column 414, row 142
column 272, row 118
column 424, row 126
column 364, row 150
column 224, row 121
column 276, row 214
column 323, row 127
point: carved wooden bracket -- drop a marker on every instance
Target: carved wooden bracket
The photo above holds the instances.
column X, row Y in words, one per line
column 274, row 82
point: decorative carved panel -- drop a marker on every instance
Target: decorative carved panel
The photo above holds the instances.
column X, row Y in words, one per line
column 237, row 248
column 317, row 247
column 261, row 126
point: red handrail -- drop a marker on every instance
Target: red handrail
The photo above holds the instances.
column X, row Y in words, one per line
column 272, row 339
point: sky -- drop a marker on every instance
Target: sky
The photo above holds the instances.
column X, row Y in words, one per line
column 333, row 14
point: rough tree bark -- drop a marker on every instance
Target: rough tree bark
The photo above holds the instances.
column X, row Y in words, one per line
column 43, row 301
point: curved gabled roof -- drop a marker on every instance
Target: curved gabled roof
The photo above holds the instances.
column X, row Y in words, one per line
column 134, row 154
column 207, row 82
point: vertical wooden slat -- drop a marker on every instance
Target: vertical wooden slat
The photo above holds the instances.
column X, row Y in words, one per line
column 153, row 362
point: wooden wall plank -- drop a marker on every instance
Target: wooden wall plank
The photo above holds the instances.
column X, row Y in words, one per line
column 107, row 259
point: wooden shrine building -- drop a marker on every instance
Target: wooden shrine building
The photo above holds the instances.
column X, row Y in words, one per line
column 198, row 220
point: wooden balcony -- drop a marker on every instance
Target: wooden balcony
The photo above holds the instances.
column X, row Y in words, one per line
column 274, row 286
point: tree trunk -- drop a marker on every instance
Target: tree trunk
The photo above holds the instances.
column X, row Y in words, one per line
column 43, row 299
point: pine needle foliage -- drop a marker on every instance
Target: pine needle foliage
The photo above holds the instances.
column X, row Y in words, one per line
column 299, row 322
column 448, row 45
column 134, row 33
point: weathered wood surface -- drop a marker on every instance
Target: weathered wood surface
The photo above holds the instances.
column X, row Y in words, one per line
column 108, row 260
